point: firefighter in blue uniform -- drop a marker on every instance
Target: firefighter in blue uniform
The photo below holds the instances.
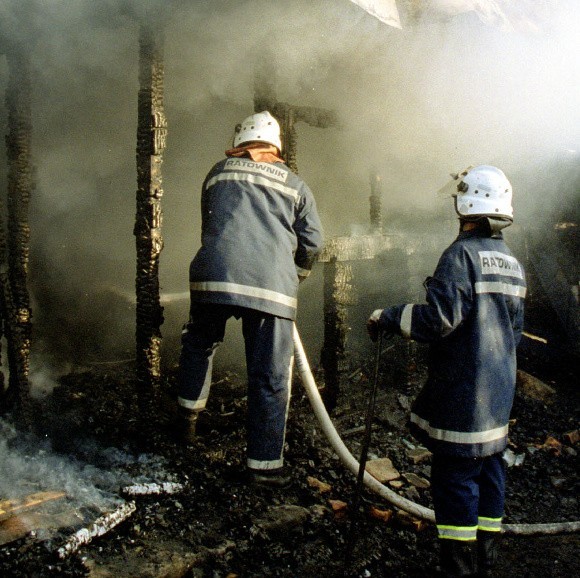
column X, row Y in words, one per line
column 261, row 234
column 472, row 320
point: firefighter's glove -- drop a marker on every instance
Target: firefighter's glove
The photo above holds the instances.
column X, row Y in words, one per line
column 373, row 328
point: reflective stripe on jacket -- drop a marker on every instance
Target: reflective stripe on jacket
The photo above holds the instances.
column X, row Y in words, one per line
column 260, row 233
column 473, row 321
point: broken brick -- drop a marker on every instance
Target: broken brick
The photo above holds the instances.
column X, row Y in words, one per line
column 322, row 487
column 382, row 469
column 572, row 437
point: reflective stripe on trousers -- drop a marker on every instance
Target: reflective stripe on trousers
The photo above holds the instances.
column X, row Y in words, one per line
column 468, row 495
column 269, row 357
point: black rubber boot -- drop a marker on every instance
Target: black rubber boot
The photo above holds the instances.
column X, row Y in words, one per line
column 186, row 425
column 269, row 478
column 487, row 552
column 457, row 558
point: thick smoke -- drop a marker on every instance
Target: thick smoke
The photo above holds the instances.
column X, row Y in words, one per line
column 43, row 470
column 451, row 89
column 29, row 466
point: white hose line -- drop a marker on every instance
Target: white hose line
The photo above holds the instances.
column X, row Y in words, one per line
column 352, row 464
column 336, row 442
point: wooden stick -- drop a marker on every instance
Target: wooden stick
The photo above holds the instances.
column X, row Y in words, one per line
column 152, row 488
column 9, row 508
column 99, row 527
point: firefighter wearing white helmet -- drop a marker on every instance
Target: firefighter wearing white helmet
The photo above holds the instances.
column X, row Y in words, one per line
column 259, row 127
column 472, row 320
column 484, row 192
column 260, row 236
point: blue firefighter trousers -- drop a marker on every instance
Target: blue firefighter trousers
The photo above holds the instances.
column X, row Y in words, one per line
column 468, row 495
column 269, row 358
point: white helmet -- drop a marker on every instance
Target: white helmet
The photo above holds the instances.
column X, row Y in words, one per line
column 484, row 191
column 262, row 127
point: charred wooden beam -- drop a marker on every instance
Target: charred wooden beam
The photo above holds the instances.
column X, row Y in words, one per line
column 5, row 304
column 150, row 488
column 287, row 115
column 338, row 295
column 15, row 248
column 361, row 247
column 151, row 139
column 376, row 201
column 9, row 508
column 100, row 526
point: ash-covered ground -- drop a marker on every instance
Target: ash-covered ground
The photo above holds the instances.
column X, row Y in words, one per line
column 217, row 526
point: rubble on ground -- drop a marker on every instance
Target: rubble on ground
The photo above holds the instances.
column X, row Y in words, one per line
column 194, row 515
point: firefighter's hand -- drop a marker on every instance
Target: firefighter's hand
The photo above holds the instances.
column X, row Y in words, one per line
column 373, row 328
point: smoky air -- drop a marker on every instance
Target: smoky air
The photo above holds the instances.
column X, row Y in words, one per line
column 447, row 90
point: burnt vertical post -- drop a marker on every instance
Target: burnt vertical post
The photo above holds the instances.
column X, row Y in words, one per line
column 265, row 99
column 376, row 203
column 15, row 247
column 286, row 114
column 151, row 140
column 337, row 275
column 338, row 295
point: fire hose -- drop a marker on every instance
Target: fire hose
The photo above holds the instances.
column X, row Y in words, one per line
column 372, row 483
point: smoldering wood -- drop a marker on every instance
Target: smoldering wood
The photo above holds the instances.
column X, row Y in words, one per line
column 338, row 295
column 338, row 291
column 40, row 512
column 288, row 115
column 37, row 523
column 376, row 201
column 363, row 247
column 151, row 140
column 100, row 526
column 152, row 488
column 9, row 508
column 15, row 247
column 5, row 303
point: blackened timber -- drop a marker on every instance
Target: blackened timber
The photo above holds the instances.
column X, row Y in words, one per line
column 151, row 139
column 376, row 201
column 5, row 298
column 286, row 117
column 286, row 114
column 364, row 247
column 100, row 526
column 338, row 295
column 15, row 248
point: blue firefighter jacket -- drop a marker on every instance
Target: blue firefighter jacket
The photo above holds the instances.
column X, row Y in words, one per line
column 473, row 320
column 260, row 234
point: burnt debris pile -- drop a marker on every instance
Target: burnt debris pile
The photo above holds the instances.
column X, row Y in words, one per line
column 193, row 511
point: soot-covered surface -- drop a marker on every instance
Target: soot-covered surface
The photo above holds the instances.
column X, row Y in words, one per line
column 218, row 526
